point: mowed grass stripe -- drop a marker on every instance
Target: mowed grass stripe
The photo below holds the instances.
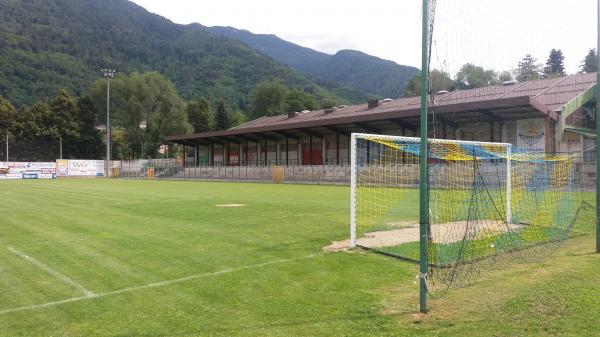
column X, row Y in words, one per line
column 52, row 272
column 128, row 215
column 128, row 260
column 91, row 295
column 22, row 283
column 112, row 235
column 200, row 238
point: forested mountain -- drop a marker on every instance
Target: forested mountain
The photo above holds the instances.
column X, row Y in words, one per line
column 349, row 68
column 48, row 45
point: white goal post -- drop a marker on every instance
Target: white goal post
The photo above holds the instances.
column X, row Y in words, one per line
column 382, row 159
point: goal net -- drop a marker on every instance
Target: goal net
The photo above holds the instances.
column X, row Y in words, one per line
column 487, row 201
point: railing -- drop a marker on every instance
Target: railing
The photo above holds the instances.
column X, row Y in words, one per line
column 583, row 173
column 271, row 162
column 249, row 171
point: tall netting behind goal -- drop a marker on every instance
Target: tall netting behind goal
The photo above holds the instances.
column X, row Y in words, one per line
column 487, row 203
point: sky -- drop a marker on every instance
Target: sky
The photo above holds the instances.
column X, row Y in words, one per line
column 492, row 33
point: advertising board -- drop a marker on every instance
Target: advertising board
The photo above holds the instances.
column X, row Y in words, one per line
column 79, row 168
column 27, row 170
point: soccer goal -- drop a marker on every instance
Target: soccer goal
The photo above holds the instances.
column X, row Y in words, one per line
column 484, row 200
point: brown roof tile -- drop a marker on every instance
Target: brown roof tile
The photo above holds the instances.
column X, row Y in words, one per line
column 546, row 95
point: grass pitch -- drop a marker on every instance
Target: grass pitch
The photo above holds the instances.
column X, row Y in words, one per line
column 161, row 258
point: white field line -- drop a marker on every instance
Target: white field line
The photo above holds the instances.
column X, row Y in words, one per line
column 154, row 285
column 64, row 278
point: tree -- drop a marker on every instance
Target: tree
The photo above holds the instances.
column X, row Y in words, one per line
column 504, row 76
column 89, row 142
column 438, row 80
column 528, row 69
column 148, row 108
column 31, row 137
column 590, row 62
column 269, row 98
column 28, row 122
column 200, row 116
column 328, row 103
column 40, row 112
column 471, row 76
column 299, row 100
column 555, row 65
column 8, row 115
column 63, row 123
column 238, row 118
column 221, row 117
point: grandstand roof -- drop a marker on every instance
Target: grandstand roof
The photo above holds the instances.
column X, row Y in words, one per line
column 545, row 97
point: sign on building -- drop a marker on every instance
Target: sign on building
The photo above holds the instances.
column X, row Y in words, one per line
column 530, row 134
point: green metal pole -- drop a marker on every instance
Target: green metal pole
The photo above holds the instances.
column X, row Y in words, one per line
column 423, row 194
column 598, row 133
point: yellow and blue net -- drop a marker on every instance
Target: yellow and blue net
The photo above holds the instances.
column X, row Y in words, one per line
column 487, row 202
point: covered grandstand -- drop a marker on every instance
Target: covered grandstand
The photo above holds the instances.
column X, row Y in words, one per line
column 552, row 115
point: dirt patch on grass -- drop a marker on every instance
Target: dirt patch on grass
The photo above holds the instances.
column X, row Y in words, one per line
column 442, row 233
column 232, row 205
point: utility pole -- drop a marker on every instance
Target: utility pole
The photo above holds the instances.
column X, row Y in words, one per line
column 60, row 147
column 108, row 74
column 7, row 146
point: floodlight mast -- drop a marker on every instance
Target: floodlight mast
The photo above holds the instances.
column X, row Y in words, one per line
column 108, row 74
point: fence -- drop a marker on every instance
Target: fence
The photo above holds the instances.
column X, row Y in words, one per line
column 172, row 169
column 584, row 172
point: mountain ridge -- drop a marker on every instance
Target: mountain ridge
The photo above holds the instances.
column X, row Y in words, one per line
column 350, row 68
column 49, row 45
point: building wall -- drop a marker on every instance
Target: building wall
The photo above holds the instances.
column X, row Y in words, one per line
column 571, row 143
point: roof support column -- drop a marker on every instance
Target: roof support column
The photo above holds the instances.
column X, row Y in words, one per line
column 211, row 154
column 310, row 148
column 337, row 148
column 547, row 135
column 324, row 150
column 348, row 148
column 299, row 152
column 257, row 152
column 266, row 153
column 277, row 151
column 287, row 150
